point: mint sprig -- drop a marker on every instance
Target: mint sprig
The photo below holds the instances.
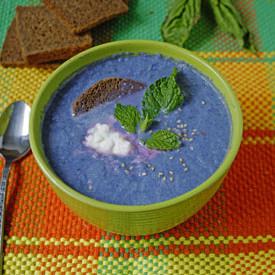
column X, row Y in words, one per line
column 128, row 116
column 162, row 96
column 163, row 140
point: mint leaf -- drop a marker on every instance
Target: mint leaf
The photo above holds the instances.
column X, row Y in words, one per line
column 163, row 140
column 164, row 95
column 145, row 123
column 128, row 116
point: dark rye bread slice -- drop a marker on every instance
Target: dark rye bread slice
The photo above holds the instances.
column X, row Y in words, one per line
column 44, row 38
column 83, row 15
column 105, row 90
column 11, row 52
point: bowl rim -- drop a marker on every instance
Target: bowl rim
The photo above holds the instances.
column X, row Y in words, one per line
column 236, row 134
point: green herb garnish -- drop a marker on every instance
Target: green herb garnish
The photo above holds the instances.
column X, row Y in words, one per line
column 181, row 18
column 128, row 116
column 163, row 95
column 163, row 140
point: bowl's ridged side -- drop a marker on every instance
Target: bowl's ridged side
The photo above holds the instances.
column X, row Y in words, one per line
column 139, row 223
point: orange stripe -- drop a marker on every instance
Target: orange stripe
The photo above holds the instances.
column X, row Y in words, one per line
column 259, row 133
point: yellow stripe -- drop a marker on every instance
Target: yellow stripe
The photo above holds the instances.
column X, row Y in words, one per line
column 251, row 263
column 232, row 54
column 251, row 82
column 186, row 241
column 137, row 243
column 40, row 264
column 21, row 83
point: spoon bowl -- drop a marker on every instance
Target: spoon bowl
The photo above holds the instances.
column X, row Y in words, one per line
column 14, row 144
column 14, row 131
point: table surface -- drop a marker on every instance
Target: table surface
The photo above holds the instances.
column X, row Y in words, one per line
column 233, row 234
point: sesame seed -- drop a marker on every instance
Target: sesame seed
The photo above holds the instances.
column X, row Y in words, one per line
column 184, row 125
column 164, row 178
column 160, row 174
column 152, row 168
column 178, row 121
column 150, row 132
column 171, row 179
column 171, row 173
column 171, row 157
column 181, row 160
column 131, row 167
column 144, row 174
column 203, row 102
column 169, row 129
column 191, row 148
column 183, row 164
column 185, row 169
column 190, row 139
column 149, row 165
column 122, row 164
column 126, row 171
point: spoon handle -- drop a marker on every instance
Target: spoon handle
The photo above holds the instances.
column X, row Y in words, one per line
column 3, row 188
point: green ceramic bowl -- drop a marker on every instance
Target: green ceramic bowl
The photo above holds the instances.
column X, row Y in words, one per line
column 144, row 219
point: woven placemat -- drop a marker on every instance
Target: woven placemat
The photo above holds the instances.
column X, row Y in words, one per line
column 233, row 234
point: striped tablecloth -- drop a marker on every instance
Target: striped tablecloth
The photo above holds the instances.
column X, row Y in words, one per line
column 233, row 234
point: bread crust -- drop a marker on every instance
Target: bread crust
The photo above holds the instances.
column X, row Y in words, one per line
column 11, row 55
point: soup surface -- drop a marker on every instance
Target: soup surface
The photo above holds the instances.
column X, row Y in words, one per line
column 143, row 176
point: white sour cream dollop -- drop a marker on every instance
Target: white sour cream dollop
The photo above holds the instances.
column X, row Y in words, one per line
column 103, row 139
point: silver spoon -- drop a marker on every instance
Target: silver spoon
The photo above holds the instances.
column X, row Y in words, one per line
column 14, row 144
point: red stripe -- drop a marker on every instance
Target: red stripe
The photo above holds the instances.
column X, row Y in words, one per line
column 250, row 192
column 259, row 133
